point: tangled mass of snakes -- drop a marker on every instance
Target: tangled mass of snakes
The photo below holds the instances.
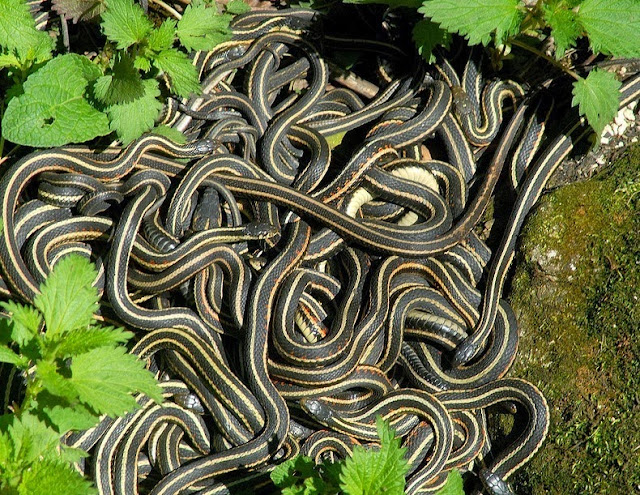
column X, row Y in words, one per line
column 285, row 290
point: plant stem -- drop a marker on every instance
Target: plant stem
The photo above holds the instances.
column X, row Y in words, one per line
column 546, row 57
column 168, row 8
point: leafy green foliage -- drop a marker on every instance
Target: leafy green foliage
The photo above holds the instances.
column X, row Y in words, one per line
column 71, row 99
column 453, row 485
column 477, row 19
column 367, row 472
column 67, row 300
column 53, row 109
column 427, row 35
column 202, row 28
column 18, row 34
column 613, row 26
column 125, row 23
column 564, row 26
column 181, row 71
column 597, row 97
column 131, row 120
column 75, row 372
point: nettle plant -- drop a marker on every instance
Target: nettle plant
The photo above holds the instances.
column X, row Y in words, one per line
column 612, row 27
column 53, row 100
column 74, row 371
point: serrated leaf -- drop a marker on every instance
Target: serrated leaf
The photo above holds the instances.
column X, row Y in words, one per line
column 453, row 485
column 427, row 35
column 53, row 477
column 105, row 378
column 368, row 472
column 25, row 321
column 82, row 340
column 182, row 73
column 131, row 120
column 171, row 133
column 72, row 454
column 125, row 23
column 18, row 32
column 597, row 97
column 142, row 63
column 67, row 299
column 53, row 110
column 613, row 26
column 476, row 19
column 6, row 449
column 564, row 25
column 8, row 356
column 123, row 85
column 236, row 7
column 202, row 27
column 9, row 60
column 65, row 416
column 53, row 381
column 162, row 38
column 32, row 439
column 77, row 10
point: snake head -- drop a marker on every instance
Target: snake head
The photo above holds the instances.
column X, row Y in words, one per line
column 464, row 353
column 205, row 146
column 260, row 230
column 493, row 483
column 317, row 409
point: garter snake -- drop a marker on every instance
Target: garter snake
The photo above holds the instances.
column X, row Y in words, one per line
column 289, row 292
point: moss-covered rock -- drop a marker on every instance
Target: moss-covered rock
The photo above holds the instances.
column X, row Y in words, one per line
column 576, row 291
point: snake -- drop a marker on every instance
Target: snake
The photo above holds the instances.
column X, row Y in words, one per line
column 285, row 292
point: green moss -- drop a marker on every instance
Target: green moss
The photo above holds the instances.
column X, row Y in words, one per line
column 576, row 291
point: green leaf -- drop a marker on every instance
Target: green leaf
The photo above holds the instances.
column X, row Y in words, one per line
column 8, row 356
column 53, row 381
column 183, row 74
column 202, row 27
column 72, row 454
column 9, row 60
column 53, row 111
column 53, row 477
column 236, row 7
column 82, row 340
column 25, row 321
column 367, row 472
column 67, row 299
column 597, row 97
column 32, row 439
column 105, row 377
column 125, row 23
column 476, row 19
column 64, row 415
column 163, row 37
column 122, row 86
column 173, row 134
column 142, row 63
column 565, row 28
column 613, row 26
column 131, row 120
column 453, row 485
column 427, row 35
column 18, row 32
